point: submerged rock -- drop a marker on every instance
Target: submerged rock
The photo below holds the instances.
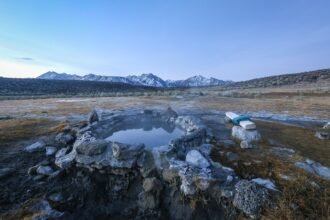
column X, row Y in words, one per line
column 169, row 115
column 38, row 146
column 250, row 198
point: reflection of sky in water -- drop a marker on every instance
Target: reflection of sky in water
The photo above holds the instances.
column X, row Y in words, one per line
column 152, row 138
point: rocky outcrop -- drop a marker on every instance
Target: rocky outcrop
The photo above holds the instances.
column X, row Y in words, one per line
column 133, row 182
column 287, row 79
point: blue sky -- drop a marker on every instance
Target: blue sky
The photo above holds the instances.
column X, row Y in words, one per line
column 175, row 39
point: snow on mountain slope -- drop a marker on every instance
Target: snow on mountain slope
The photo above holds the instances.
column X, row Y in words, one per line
column 148, row 80
column 144, row 79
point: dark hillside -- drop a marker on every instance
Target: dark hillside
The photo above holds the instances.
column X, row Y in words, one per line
column 41, row 87
column 286, row 79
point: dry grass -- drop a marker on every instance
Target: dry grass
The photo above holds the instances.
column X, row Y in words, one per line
column 295, row 106
column 303, row 197
column 300, row 139
column 14, row 130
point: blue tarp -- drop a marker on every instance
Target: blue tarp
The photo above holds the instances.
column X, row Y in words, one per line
column 240, row 118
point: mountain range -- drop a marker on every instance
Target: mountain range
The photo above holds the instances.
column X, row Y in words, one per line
column 142, row 80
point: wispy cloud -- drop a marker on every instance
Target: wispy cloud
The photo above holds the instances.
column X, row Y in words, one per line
column 25, row 58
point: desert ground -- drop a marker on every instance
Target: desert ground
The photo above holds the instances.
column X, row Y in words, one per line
column 285, row 118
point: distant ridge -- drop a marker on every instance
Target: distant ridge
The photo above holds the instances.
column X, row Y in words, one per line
column 142, row 80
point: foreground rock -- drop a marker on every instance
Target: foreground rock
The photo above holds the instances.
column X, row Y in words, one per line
column 64, row 139
column 323, row 135
column 93, row 117
column 314, row 168
column 50, row 151
column 327, row 125
column 45, row 170
column 37, row 146
column 196, row 159
column 250, row 198
column 245, row 137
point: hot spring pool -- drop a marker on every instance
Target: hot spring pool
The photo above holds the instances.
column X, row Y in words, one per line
column 154, row 137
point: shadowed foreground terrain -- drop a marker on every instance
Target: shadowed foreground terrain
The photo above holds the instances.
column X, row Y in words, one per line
column 287, row 120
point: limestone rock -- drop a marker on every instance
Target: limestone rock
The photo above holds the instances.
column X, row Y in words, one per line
column 148, row 201
column 45, row 170
column 152, row 185
column 33, row 170
column 265, row 183
column 66, row 160
column 92, row 148
column 126, row 151
column 37, row 146
column 314, row 168
column 61, row 152
column 323, row 135
column 250, row 198
column 241, row 134
column 50, row 151
column 64, row 139
column 205, row 149
column 327, row 125
column 42, row 211
column 169, row 175
column 196, row 159
column 283, row 151
column 93, row 117
column 245, row 145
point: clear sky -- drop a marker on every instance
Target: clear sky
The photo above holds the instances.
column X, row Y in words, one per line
column 175, row 39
